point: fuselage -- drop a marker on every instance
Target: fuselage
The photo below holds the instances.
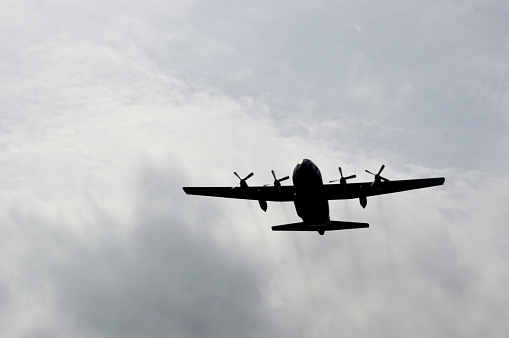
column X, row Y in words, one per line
column 310, row 202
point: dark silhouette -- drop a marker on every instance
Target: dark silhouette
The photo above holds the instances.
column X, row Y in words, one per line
column 311, row 197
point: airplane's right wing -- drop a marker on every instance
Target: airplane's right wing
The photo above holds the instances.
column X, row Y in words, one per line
column 266, row 193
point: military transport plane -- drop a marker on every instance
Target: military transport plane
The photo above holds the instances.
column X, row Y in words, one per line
column 311, row 197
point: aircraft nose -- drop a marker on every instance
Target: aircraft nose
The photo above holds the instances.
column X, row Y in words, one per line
column 301, row 168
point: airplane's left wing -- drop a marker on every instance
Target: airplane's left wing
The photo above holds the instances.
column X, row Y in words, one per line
column 363, row 190
column 264, row 193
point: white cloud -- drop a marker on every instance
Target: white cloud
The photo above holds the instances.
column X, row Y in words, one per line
column 107, row 114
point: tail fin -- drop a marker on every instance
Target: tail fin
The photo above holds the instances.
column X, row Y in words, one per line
column 332, row 225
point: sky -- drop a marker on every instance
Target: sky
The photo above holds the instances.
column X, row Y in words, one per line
column 108, row 108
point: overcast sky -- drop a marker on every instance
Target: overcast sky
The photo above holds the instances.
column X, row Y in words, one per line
column 109, row 107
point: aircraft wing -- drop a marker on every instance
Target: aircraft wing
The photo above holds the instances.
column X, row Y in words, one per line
column 357, row 190
column 265, row 193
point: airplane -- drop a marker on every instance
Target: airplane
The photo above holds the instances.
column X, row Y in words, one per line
column 311, row 196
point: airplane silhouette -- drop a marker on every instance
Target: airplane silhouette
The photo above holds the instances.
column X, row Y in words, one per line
column 311, row 196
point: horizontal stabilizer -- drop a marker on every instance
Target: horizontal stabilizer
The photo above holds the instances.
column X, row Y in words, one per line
column 301, row 226
column 332, row 225
column 341, row 225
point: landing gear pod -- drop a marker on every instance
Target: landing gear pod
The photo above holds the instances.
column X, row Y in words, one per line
column 364, row 201
column 263, row 204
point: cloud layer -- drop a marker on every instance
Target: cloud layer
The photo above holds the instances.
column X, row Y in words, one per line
column 108, row 109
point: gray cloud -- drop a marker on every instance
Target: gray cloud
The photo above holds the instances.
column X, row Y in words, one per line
column 162, row 277
column 109, row 109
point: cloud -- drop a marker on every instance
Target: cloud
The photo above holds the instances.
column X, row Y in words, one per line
column 162, row 278
column 107, row 114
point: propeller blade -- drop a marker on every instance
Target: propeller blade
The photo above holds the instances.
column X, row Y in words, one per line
column 378, row 178
column 277, row 182
column 342, row 179
column 242, row 182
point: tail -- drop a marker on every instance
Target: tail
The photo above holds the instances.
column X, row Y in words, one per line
column 332, row 225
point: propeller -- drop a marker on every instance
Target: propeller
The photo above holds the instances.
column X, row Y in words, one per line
column 243, row 183
column 342, row 180
column 378, row 178
column 277, row 182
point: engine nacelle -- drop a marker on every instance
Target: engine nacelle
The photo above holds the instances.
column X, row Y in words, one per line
column 364, row 201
